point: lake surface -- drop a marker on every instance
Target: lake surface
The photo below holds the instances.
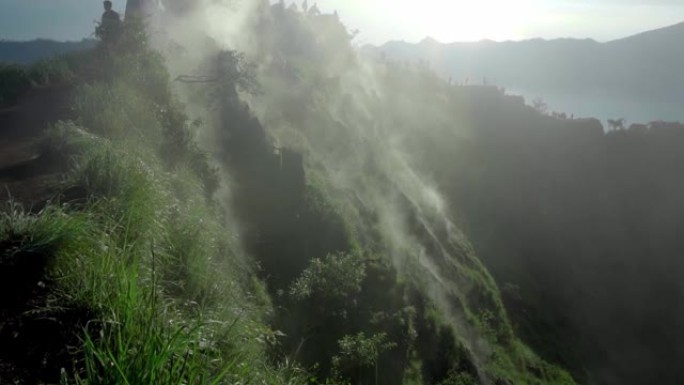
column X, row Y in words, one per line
column 605, row 107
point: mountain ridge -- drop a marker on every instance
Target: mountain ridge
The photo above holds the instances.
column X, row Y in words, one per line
column 639, row 74
column 679, row 27
column 30, row 51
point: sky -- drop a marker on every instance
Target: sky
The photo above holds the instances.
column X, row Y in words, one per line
column 379, row 21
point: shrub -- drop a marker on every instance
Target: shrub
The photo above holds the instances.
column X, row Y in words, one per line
column 122, row 186
column 358, row 352
column 331, row 284
column 13, row 81
column 116, row 111
column 50, row 71
column 189, row 251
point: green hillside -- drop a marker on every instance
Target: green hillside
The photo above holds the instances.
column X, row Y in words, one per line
column 298, row 245
column 253, row 202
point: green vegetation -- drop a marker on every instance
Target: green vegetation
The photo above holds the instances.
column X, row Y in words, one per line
column 423, row 285
column 13, row 79
column 16, row 79
column 141, row 248
column 335, row 276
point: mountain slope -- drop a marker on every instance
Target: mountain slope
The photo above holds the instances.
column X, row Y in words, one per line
column 332, row 232
column 642, row 70
column 665, row 37
column 144, row 267
column 27, row 52
column 327, row 136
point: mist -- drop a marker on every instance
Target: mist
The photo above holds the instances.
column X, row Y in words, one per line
column 350, row 119
column 263, row 198
column 633, row 77
column 395, row 146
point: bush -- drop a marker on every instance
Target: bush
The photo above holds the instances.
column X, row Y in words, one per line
column 189, row 267
column 331, row 284
column 116, row 111
column 121, row 185
column 14, row 79
column 50, row 71
column 49, row 230
column 359, row 352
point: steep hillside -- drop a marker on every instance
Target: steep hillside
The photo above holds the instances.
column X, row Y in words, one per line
column 326, row 138
column 579, row 228
column 577, row 225
column 115, row 268
column 304, row 247
column 603, row 234
column 254, row 202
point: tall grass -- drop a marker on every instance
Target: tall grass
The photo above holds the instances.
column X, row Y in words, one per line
column 140, row 338
column 117, row 110
column 152, row 261
column 144, row 251
column 48, row 231
column 122, row 186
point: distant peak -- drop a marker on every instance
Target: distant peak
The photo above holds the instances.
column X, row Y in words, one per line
column 429, row 41
column 674, row 32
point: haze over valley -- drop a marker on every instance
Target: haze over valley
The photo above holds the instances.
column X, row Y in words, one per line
column 637, row 77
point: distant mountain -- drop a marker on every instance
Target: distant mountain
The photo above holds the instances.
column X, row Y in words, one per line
column 643, row 69
column 27, row 52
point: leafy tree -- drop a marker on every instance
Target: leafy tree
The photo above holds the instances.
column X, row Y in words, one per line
column 13, row 80
column 331, row 284
column 359, row 352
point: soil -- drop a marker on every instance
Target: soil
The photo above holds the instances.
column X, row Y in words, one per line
column 27, row 174
column 36, row 336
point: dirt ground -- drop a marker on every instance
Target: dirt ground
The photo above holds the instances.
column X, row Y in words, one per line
column 33, row 335
column 27, row 174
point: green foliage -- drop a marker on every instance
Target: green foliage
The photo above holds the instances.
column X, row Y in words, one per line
column 145, row 71
column 66, row 139
column 14, row 79
column 54, row 70
column 170, row 299
column 179, row 148
column 190, row 269
column 174, row 300
column 361, row 351
column 333, row 282
column 138, row 343
column 116, row 111
column 124, row 184
column 357, row 354
column 49, row 230
column 132, row 99
column 459, row 378
column 138, row 337
column 167, row 314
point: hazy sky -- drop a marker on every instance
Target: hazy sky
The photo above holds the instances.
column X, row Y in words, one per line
column 459, row 20
column 411, row 20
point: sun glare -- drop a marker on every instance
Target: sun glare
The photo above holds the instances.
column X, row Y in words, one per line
column 467, row 20
column 460, row 20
